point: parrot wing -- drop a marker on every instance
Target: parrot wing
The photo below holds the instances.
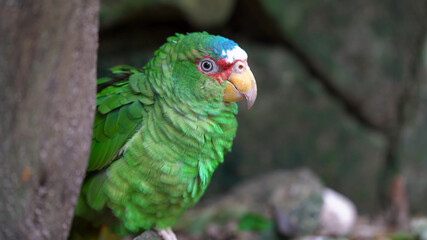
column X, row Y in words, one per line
column 120, row 109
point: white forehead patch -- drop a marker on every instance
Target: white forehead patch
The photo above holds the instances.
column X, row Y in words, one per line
column 234, row 54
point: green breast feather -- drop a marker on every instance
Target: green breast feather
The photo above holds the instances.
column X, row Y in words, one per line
column 159, row 134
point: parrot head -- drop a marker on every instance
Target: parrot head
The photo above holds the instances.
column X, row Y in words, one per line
column 210, row 68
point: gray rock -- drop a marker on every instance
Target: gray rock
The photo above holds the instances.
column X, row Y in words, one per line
column 148, row 235
column 296, row 201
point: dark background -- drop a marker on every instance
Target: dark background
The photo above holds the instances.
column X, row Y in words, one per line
column 341, row 86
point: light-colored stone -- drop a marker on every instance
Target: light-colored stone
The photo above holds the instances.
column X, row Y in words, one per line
column 338, row 214
column 419, row 227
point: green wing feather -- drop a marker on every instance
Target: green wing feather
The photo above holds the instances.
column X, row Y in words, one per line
column 173, row 143
column 120, row 108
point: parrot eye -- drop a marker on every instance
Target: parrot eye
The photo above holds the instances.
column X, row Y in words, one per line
column 208, row 66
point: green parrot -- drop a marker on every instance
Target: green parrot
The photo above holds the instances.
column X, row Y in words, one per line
column 161, row 131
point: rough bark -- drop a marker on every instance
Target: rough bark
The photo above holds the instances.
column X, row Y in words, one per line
column 47, row 97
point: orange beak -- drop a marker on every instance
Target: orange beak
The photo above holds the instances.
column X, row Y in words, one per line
column 241, row 85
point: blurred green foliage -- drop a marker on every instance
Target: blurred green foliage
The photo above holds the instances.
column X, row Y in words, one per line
column 254, row 222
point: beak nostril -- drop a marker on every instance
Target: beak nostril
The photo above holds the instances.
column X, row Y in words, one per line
column 240, row 85
column 239, row 67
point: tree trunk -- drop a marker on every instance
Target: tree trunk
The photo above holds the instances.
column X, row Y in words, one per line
column 47, row 98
